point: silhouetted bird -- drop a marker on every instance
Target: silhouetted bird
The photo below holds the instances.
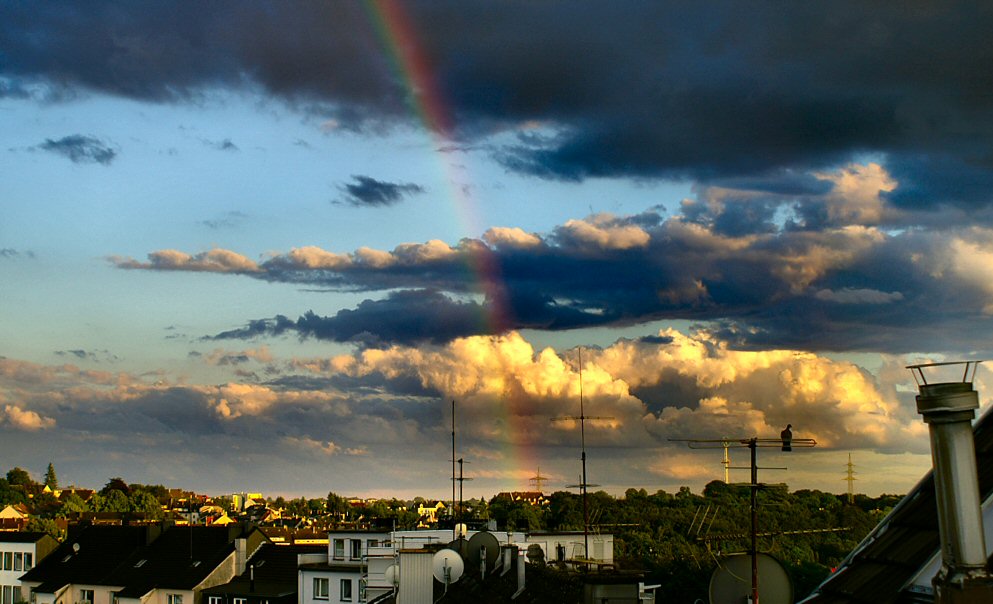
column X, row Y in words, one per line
column 787, row 436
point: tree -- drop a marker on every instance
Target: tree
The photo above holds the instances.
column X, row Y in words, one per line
column 116, row 484
column 73, row 503
column 19, row 477
column 51, row 481
column 337, row 505
column 45, row 525
column 115, row 501
column 10, row 495
column 146, row 503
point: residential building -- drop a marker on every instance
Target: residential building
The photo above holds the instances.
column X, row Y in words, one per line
column 19, row 553
column 151, row 564
column 338, row 575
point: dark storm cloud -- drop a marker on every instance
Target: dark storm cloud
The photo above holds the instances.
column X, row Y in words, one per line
column 407, row 317
column 81, row 149
column 847, row 287
column 367, row 191
column 699, row 90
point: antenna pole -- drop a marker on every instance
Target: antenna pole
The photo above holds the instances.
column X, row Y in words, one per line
column 455, row 528
column 582, row 438
column 755, row 520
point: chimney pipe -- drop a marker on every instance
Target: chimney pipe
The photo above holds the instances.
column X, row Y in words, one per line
column 948, row 409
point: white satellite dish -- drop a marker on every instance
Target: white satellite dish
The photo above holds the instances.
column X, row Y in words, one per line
column 392, row 575
column 447, row 566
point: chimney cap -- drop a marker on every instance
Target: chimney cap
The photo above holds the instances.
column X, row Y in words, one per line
column 942, row 369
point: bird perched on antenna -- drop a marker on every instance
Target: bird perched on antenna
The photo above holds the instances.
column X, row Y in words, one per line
column 787, row 436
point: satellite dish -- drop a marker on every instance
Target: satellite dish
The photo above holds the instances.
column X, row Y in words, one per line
column 732, row 580
column 392, row 575
column 75, row 548
column 479, row 543
column 447, row 566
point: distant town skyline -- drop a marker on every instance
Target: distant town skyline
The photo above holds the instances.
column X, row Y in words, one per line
column 250, row 245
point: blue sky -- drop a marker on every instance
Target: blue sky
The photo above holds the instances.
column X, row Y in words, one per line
column 261, row 246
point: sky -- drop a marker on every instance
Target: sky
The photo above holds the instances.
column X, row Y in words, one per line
column 263, row 246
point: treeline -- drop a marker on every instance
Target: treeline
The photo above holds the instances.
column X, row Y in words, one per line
column 677, row 538
column 116, row 496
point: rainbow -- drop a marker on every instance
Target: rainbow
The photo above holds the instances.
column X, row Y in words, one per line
column 413, row 68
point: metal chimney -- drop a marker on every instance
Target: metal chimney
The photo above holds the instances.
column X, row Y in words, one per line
column 948, row 408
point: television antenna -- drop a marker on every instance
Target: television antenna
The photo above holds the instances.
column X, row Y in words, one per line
column 583, row 485
column 753, row 444
column 457, row 512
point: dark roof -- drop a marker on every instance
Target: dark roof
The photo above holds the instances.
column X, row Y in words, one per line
column 895, row 551
column 275, row 572
column 21, row 536
column 181, row 559
column 101, row 549
column 139, row 558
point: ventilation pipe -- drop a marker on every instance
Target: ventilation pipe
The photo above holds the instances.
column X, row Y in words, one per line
column 948, row 408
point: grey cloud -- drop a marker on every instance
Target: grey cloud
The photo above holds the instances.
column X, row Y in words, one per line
column 11, row 253
column 81, row 149
column 367, row 191
column 702, row 90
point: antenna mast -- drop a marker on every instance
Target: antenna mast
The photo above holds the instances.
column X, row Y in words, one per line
column 455, row 529
column 753, row 445
column 583, row 485
column 851, row 480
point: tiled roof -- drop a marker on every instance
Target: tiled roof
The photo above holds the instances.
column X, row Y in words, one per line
column 879, row 569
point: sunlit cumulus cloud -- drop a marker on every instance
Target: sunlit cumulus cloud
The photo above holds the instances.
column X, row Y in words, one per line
column 215, row 261
column 25, row 419
column 389, row 405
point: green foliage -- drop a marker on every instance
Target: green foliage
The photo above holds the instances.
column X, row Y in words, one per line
column 145, row 503
column 50, row 479
column 45, row 525
column 19, row 477
column 116, row 484
column 10, row 496
column 660, row 533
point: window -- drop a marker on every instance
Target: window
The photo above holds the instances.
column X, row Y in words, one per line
column 322, row 587
column 7, row 596
column 175, row 598
column 18, row 560
column 346, row 590
column 240, row 600
column 86, row 595
column 371, row 543
column 8, row 560
column 27, row 561
column 339, row 549
column 356, row 549
column 214, row 600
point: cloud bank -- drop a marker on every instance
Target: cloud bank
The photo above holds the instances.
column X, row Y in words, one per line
column 705, row 91
column 836, row 266
column 389, row 407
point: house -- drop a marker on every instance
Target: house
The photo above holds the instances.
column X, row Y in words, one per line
column 536, row 498
column 428, row 512
column 15, row 511
column 896, row 562
column 149, row 564
column 19, row 552
column 271, row 577
column 336, row 577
